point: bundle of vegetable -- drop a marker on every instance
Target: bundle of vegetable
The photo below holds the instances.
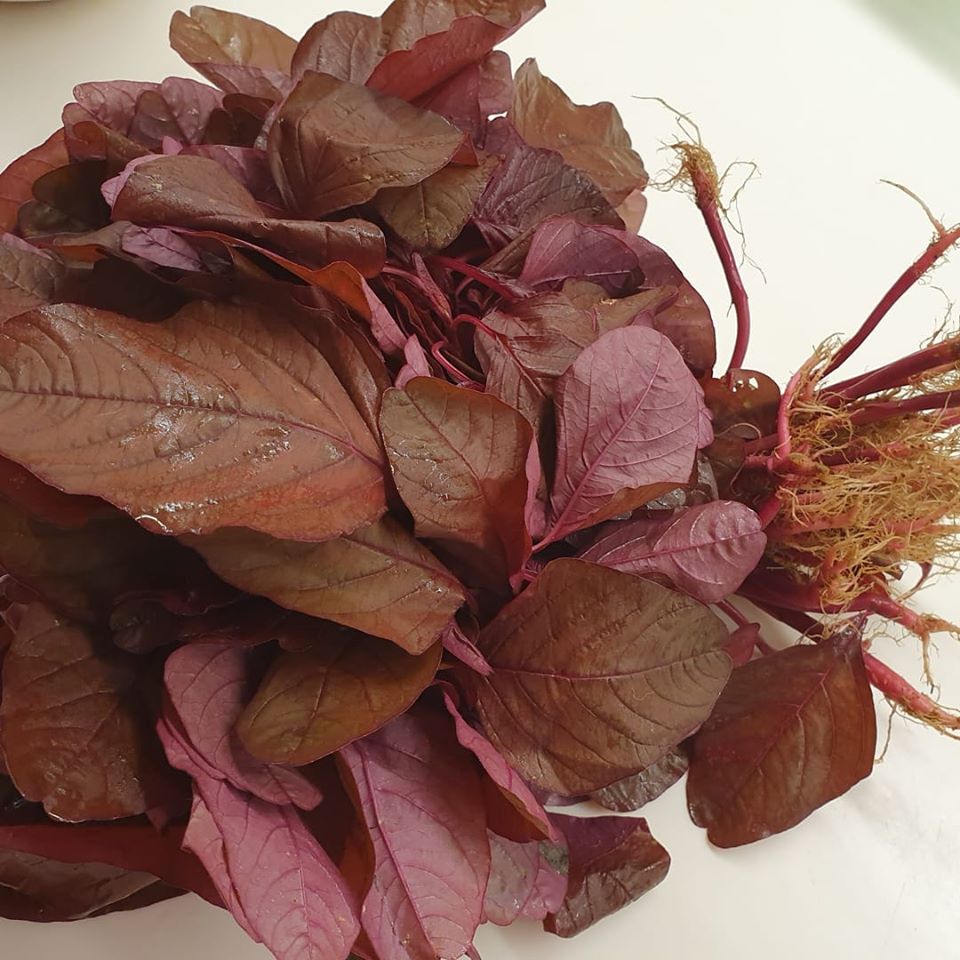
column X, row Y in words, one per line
column 367, row 487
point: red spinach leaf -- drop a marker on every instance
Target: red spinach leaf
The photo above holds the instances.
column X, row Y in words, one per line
column 17, row 180
column 630, row 419
column 459, row 462
column 208, row 686
column 176, row 424
column 613, row 861
column 527, row 880
column 347, row 685
column 706, row 551
column 420, row 798
column 28, row 277
column 378, row 579
column 335, row 144
column 638, row 790
column 596, row 676
column 74, row 735
column 792, row 731
column 239, row 54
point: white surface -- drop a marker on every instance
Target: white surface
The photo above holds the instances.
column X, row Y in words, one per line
column 827, row 97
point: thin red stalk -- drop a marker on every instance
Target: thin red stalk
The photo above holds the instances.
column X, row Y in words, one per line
column 875, row 412
column 732, row 612
column 475, row 273
column 899, row 372
column 706, row 196
column 461, row 378
column 902, row 284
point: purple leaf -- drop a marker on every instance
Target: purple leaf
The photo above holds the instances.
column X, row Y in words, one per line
column 455, row 641
column 29, row 277
column 613, row 861
column 527, row 880
column 209, row 686
column 180, row 109
column 272, row 873
column 706, row 551
column 508, row 781
column 160, row 246
column 416, row 365
column 630, row 418
column 420, row 796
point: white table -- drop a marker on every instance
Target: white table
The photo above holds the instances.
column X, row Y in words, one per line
column 827, row 96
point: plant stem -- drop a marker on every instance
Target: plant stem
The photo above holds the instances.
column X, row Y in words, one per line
column 903, row 283
column 475, row 273
column 899, row 373
column 707, row 202
column 875, row 412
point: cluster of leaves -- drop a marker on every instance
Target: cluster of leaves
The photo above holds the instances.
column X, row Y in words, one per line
column 360, row 497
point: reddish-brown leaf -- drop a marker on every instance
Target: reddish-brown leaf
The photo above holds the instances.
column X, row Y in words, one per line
column 28, row 277
column 596, row 675
column 73, row 737
column 592, row 139
column 638, row 790
column 459, row 462
column 430, row 215
column 792, row 731
column 46, row 890
column 335, row 144
column 17, row 180
column 347, row 685
column 239, row 54
column 221, row 416
column 613, row 861
column 378, row 579
column 198, row 194
column 82, row 570
column 526, row 880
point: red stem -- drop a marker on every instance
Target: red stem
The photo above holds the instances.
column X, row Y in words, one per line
column 899, row 373
column 902, row 284
column 707, row 203
column 875, row 412
column 475, row 273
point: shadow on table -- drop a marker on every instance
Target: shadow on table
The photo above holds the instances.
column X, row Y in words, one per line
column 932, row 26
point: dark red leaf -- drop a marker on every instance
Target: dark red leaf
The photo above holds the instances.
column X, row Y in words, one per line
column 420, row 798
column 179, row 109
column 240, row 54
column 74, row 736
column 135, row 846
column 28, row 277
column 459, row 462
column 596, row 676
column 192, row 441
column 209, row 686
column 430, row 215
column 81, row 570
column 592, row 139
column 638, row 790
column 378, row 579
column 434, row 58
column 613, row 861
column 792, row 731
column 17, row 180
column 194, row 192
column 532, row 184
column 347, row 685
column 46, row 890
column 335, row 144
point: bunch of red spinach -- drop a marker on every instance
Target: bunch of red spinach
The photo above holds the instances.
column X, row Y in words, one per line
column 366, row 486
